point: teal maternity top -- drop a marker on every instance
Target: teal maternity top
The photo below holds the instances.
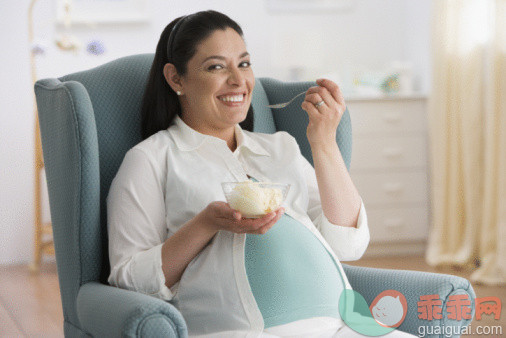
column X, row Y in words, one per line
column 291, row 274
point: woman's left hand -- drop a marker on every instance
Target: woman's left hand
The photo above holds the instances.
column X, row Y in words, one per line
column 325, row 106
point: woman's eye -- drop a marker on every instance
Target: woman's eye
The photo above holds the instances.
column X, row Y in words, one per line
column 215, row 67
column 245, row 64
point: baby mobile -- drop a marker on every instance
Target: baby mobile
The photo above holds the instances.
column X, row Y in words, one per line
column 65, row 41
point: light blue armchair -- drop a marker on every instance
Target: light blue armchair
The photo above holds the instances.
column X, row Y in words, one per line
column 88, row 121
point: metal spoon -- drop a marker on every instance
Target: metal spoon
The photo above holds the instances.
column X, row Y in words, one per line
column 283, row 105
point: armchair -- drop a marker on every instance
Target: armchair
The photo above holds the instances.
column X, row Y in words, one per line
column 88, row 121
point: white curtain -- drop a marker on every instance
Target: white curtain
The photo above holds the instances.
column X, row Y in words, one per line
column 467, row 127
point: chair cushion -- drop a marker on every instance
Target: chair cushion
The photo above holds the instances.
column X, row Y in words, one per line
column 115, row 90
column 262, row 120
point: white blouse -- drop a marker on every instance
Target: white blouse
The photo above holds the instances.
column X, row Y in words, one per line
column 170, row 177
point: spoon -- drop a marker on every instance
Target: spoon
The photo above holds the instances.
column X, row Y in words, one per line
column 283, row 105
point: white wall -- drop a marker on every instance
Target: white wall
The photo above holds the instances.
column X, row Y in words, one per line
column 16, row 139
column 370, row 35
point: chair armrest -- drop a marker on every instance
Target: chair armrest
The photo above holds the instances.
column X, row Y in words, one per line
column 106, row 311
column 369, row 282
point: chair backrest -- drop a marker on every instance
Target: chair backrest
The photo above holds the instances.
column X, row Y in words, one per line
column 88, row 121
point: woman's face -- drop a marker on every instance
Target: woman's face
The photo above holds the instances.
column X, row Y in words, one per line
column 218, row 84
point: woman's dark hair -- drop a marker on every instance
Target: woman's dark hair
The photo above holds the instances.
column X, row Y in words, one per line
column 160, row 104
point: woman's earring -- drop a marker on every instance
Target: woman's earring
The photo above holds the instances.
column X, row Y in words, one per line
column 178, row 93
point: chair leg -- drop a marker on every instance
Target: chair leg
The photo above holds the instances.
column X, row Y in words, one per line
column 41, row 246
column 37, row 250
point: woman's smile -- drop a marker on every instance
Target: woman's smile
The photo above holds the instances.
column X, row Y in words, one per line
column 236, row 99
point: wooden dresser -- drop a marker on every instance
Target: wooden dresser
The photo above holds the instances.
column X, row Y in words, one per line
column 390, row 170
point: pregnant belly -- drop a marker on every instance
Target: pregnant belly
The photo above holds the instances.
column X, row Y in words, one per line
column 291, row 274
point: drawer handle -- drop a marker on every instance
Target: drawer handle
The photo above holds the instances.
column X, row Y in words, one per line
column 392, row 152
column 394, row 223
column 393, row 188
column 392, row 118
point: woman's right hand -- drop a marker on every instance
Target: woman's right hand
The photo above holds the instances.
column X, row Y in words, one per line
column 219, row 215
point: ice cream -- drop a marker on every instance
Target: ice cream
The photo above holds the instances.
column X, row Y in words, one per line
column 253, row 200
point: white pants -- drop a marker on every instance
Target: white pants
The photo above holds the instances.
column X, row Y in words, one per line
column 318, row 327
column 321, row 327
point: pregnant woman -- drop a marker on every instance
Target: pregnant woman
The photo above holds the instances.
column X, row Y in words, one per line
column 172, row 236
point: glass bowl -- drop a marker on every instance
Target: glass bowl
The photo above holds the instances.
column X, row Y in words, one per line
column 255, row 199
